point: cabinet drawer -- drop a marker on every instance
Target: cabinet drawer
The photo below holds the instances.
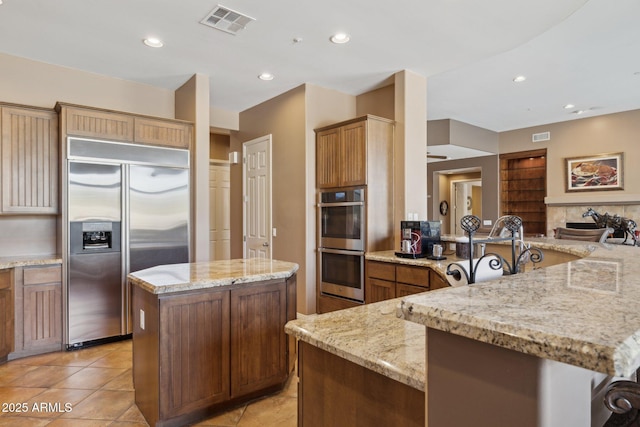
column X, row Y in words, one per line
column 40, row 275
column 5, row 279
column 412, row 275
column 381, row 270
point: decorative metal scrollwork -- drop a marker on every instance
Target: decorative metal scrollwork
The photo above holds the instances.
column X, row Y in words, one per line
column 470, row 224
column 622, row 396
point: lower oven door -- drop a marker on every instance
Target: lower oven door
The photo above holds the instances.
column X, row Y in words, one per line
column 342, row 273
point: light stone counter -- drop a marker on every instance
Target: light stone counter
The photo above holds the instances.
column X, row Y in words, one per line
column 26, row 261
column 370, row 335
column 556, row 312
column 208, row 274
column 584, row 313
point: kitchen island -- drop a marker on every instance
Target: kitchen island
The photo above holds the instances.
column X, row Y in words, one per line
column 210, row 335
column 575, row 323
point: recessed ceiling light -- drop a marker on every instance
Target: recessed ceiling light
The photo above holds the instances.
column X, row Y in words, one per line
column 340, row 38
column 579, row 112
column 266, row 76
column 568, row 106
column 153, row 42
column 519, row 79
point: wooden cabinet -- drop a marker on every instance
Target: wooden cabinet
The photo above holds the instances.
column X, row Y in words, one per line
column 194, row 332
column 197, row 352
column 6, row 314
column 355, row 153
column 38, row 309
column 29, row 160
column 96, row 123
column 388, row 280
column 258, row 346
column 337, row 392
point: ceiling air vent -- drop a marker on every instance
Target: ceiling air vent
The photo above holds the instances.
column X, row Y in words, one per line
column 227, row 20
column 542, row 136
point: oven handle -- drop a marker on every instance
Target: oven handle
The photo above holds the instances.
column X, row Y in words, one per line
column 341, row 252
column 332, row 205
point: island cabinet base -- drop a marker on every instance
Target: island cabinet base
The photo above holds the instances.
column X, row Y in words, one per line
column 335, row 392
column 198, row 352
column 483, row 385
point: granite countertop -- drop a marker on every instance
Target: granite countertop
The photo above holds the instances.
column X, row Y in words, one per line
column 369, row 335
column 29, row 260
column 208, row 274
column 566, row 312
column 584, row 312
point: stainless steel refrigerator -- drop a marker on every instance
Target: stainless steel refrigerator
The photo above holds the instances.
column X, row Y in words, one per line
column 128, row 208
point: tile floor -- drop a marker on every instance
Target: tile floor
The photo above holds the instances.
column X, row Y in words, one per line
column 94, row 387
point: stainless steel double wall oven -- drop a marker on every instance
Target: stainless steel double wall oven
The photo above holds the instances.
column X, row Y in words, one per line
column 341, row 237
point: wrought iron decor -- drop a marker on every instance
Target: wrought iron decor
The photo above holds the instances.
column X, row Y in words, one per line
column 513, row 224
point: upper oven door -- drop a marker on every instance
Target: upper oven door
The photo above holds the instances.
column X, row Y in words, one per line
column 342, row 220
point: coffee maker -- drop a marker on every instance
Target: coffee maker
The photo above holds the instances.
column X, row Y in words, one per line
column 417, row 238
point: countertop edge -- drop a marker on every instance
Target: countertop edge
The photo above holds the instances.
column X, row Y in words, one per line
column 28, row 261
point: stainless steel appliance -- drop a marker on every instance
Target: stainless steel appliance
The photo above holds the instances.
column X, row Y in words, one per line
column 342, row 273
column 342, row 219
column 128, row 208
column 342, row 231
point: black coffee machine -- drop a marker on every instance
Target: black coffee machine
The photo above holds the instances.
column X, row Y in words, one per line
column 417, row 238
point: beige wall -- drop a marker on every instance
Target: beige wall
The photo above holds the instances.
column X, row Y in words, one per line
column 290, row 118
column 192, row 104
column 610, row 133
column 489, row 166
column 36, row 83
column 219, row 146
column 323, row 107
column 283, row 118
column 379, row 102
column 410, row 151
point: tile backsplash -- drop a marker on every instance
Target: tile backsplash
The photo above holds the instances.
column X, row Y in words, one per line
column 558, row 216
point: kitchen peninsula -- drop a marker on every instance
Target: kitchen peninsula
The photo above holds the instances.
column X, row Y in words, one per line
column 534, row 349
column 209, row 335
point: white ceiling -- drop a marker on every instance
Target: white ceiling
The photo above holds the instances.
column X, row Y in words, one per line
column 584, row 52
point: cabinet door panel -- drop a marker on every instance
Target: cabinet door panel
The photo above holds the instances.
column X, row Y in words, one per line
column 42, row 315
column 194, row 332
column 379, row 290
column 162, row 132
column 327, row 158
column 98, row 124
column 258, row 348
column 29, row 161
column 353, row 161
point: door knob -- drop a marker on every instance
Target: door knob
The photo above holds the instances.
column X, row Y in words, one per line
column 265, row 244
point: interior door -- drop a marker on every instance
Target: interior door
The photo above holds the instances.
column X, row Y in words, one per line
column 257, row 197
column 219, row 212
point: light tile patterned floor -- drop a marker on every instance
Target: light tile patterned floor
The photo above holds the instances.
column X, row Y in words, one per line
column 94, row 387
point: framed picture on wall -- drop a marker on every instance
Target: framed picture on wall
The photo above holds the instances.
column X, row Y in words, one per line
column 595, row 173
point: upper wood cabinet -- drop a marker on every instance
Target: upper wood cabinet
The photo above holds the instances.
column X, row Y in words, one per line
column 96, row 123
column 29, row 160
column 351, row 153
